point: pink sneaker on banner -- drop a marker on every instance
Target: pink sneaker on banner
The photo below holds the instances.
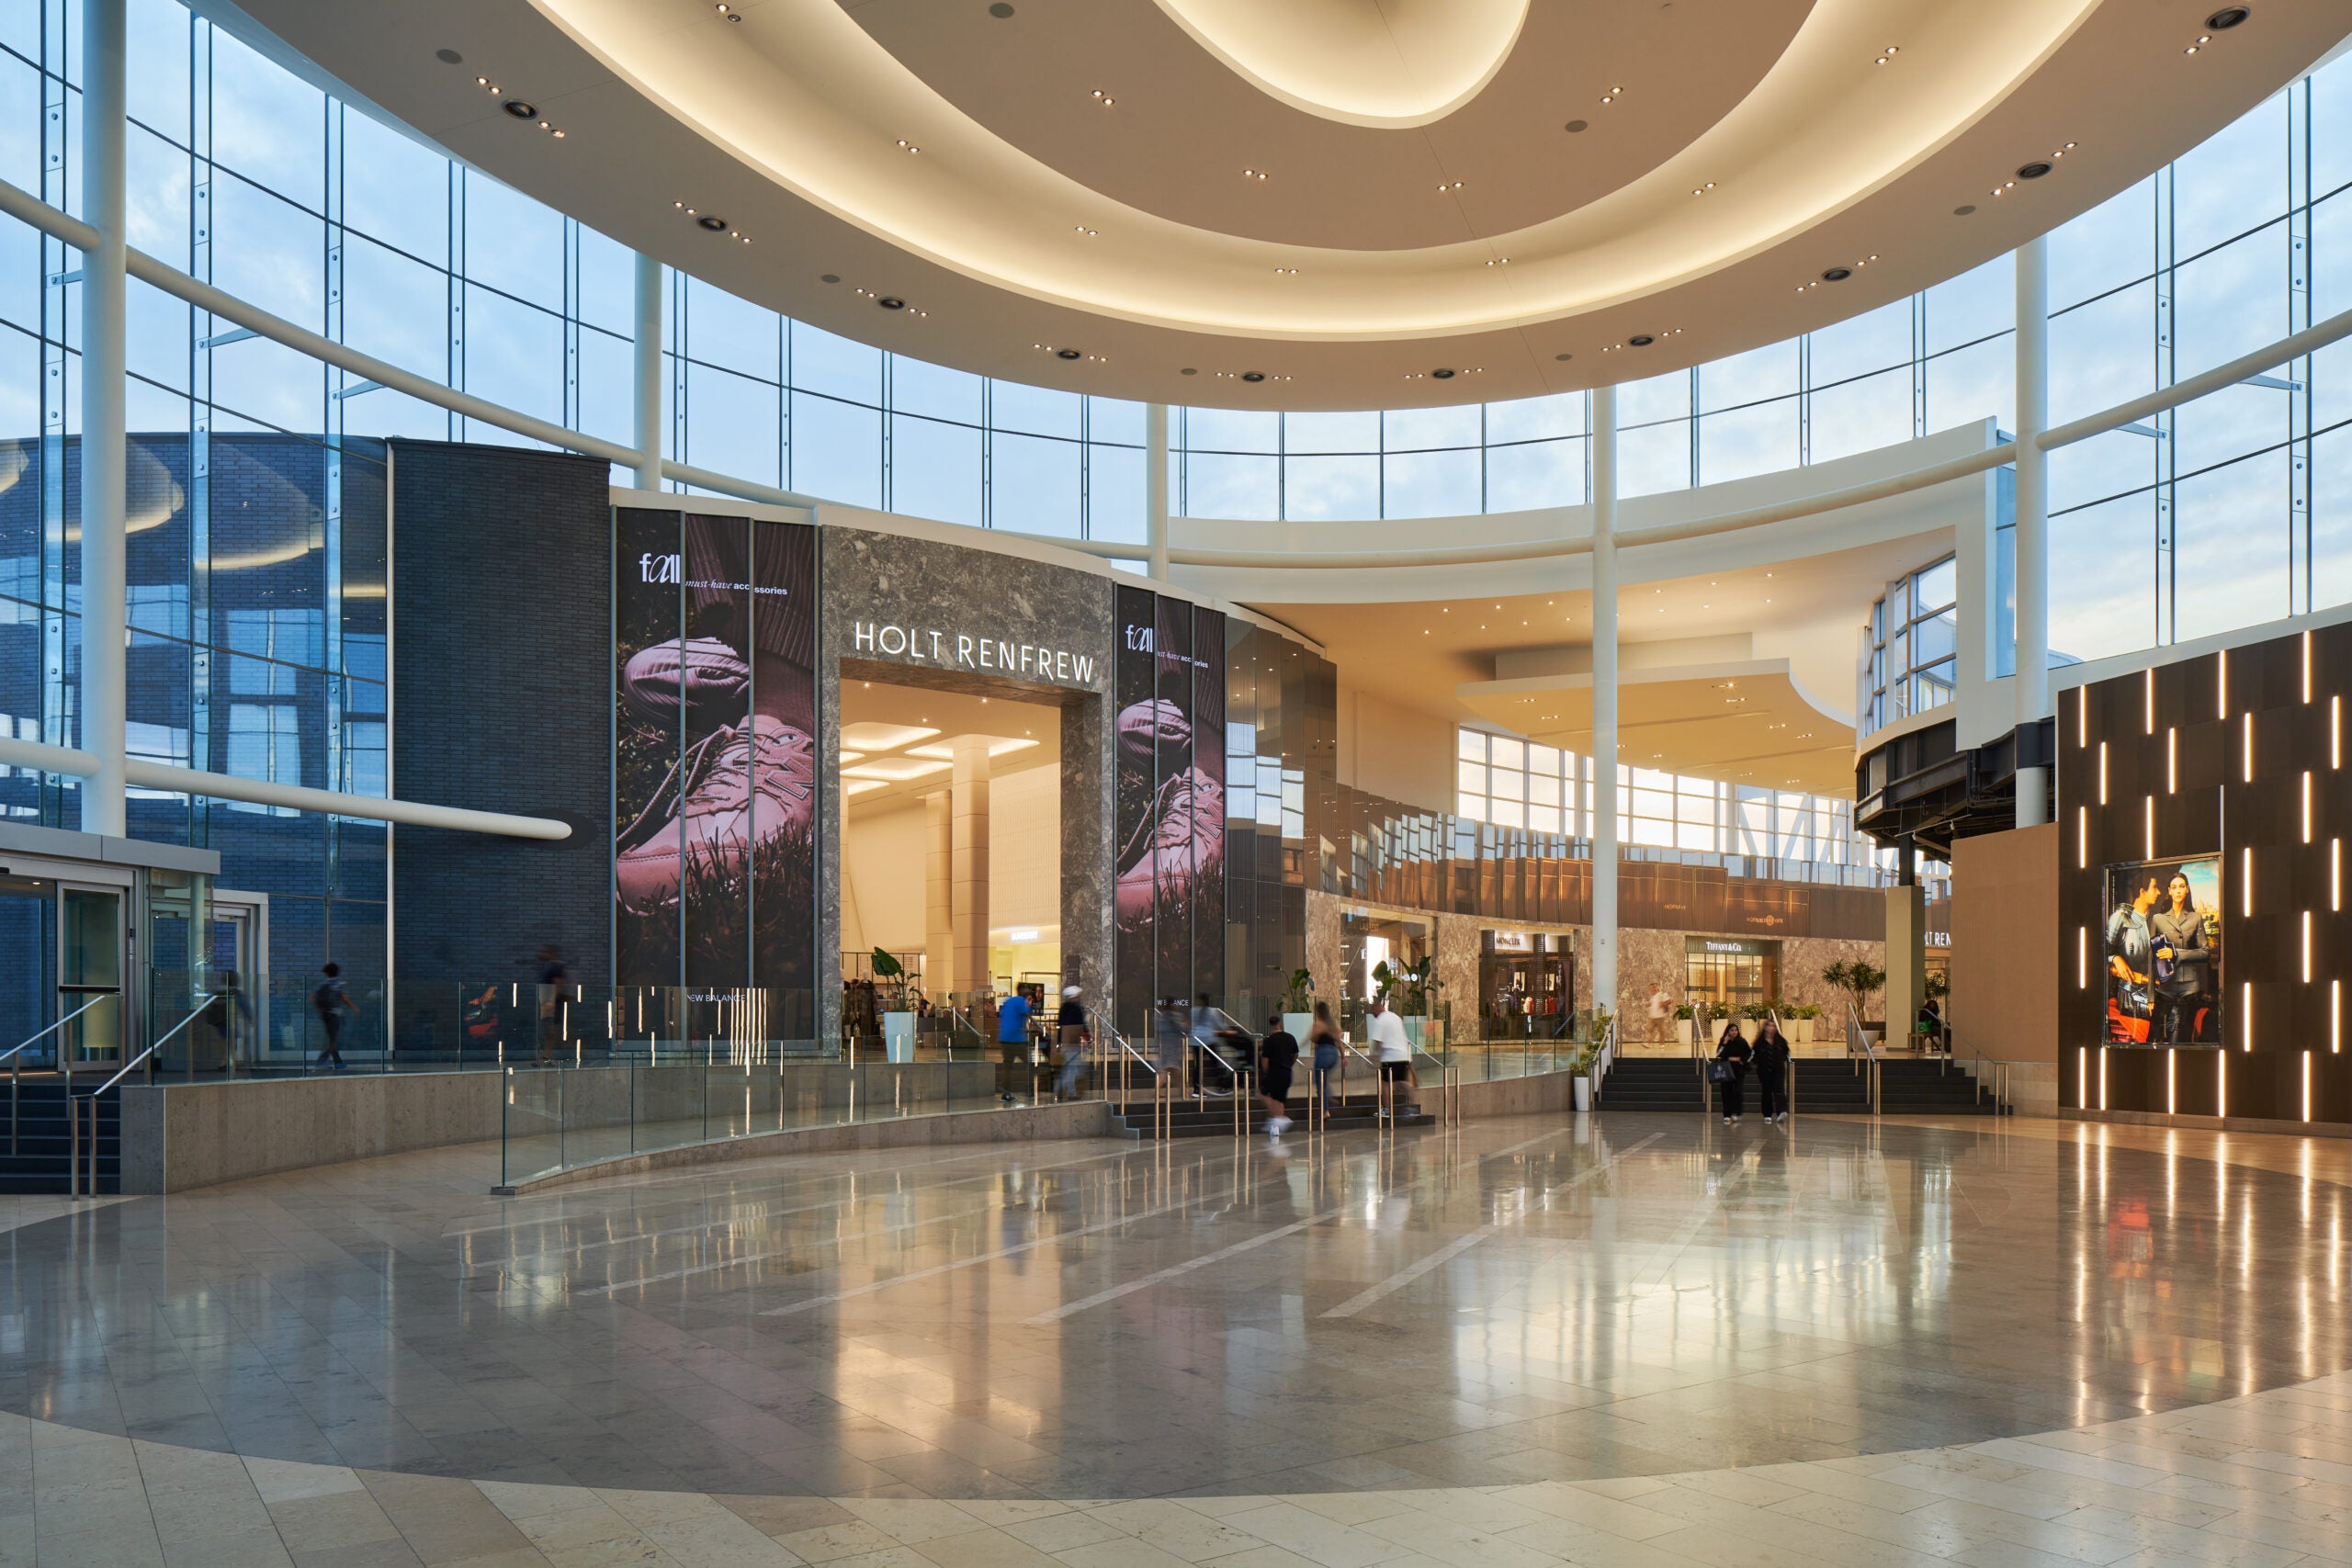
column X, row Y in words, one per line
column 756, row 778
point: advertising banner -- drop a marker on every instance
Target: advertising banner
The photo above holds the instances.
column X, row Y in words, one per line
column 2163, row 953
column 714, row 778
column 1170, row 807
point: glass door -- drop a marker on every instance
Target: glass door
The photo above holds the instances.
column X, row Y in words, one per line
column 28, row 989
column 89, row 964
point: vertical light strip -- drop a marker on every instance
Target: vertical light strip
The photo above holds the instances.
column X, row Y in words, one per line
column 2082, row 958
column 2307, row 1056
column 2222, row 1093
column 2102, row 773
column 2246, row 880
column 2172, row 1083
column 2147, row 697
column 2082, row 1077
column 2102, row 1077
column 2082, row 716
column 2307, row 947
column 2222, row 685
column 2335, row 732
column 2082, row 837
column 2246, row 1016
column 2148, row 823
column 2335, row 1018
column 2307, row 687
column 2172, row 760
column 2307, row 806
column 2335, row 873
column 2245, row 746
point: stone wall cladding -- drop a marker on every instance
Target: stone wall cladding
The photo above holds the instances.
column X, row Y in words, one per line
column 502, row 614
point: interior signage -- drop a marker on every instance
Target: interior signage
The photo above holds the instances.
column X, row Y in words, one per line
column 1938, row 938
column 1513, row 942
column 962, row 650
column 1719, row 945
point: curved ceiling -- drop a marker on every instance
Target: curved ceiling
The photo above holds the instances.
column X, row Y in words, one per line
column 1320, row 203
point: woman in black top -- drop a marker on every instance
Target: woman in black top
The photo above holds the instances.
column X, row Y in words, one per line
column 1731, row 1052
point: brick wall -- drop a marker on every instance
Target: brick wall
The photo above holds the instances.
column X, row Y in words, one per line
column 501, row 609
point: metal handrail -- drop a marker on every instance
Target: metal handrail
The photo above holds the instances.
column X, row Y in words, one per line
column 1988, row 1068
column 15, row 1062
column 1857, row 1038
column 1237, row 1095
column 74, row 1114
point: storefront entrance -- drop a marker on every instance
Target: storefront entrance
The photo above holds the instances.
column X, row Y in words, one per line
column 1526, row 983
column 1731, row 973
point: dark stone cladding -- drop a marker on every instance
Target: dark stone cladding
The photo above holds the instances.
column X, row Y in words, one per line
column 501, row 600
column 912, row 581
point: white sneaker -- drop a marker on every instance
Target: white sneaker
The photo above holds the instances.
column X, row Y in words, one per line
column 1278, row 1126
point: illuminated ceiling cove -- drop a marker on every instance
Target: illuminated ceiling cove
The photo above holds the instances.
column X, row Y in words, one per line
column 1315, row 203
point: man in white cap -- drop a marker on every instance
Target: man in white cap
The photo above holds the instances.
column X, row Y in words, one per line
column 1072, row 1022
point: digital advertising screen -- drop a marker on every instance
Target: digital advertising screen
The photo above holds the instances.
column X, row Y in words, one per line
column 2160, row 944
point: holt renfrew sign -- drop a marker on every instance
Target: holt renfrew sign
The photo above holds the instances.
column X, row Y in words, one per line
column 964, row 650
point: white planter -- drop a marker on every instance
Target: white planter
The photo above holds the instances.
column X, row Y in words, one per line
column 1584, row 1093
column 1800, row 1032
column 1296, row 1024
column 1414, row 1030
column 898, row 1035
column 1685, row 1029
column 1749, row 1028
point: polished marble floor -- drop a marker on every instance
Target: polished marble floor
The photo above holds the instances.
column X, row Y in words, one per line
column 1598, row 1339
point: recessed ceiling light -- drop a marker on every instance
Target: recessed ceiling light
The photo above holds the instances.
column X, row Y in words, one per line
column 1253, row 173
column 520, row 110
column 1253, row 376
column 1442, row 374
column 1000, row 10
column 1574, row 126
column 448, row 57
column 1105, row 100
column 2228, row 16
column 2034, row 170
column 710, row 221
column 891, row 302
column 909, row 146
column 1443, row 186
column 1641, row 340
column 1838, row 275
column 1068, row 353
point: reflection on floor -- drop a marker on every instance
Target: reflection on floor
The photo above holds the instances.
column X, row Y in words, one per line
column 1642, row 1339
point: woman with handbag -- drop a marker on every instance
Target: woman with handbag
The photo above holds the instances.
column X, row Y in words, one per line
column 1729, row 1070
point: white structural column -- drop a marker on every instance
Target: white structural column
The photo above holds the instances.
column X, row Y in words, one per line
column 103, row 291
column 1154, row 484
column 2034, row 515
column 649, row 372
column 1604, row 698
column 939, row 894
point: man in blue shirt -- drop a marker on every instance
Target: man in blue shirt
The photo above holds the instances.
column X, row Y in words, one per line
column 1013, row 1042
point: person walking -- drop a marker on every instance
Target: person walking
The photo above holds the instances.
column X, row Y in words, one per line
column 1729, row 1070
column 1395, row 1055
column 332, row 1001
column 1772, row 1069
column 1661, row 1009
column 1013, row 1041
column 1277, row 1056
column 555, row 989
column 1071, row 1024
column 1324, row 1040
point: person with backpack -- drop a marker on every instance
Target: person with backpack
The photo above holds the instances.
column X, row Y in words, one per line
column 1071, row 1024
column 1772, row 1068
column 1728, row 1071
column 332, row 1001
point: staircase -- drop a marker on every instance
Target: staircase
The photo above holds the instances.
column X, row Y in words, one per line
column 1823, row 1087
column 43, row 1140
column 1213, row 1118
column 1653, row 1083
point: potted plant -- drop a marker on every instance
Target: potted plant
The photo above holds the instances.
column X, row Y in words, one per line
column 1751, row 1021
column 1406, row 990
column 1800, row 1021
column 1861, row 978
column 1686, row 1023
column 897, row 1017
column 1298, row 1004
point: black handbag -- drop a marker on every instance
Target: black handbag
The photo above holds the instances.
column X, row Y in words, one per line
column 1719, row 1071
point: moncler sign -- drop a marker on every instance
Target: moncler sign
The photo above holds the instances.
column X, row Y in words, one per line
column 964, row 650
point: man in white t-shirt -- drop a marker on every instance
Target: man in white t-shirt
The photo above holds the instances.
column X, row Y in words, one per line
column 1660, row 1005
column 1395, row 1055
